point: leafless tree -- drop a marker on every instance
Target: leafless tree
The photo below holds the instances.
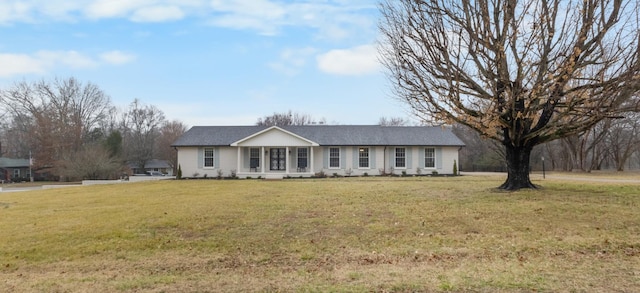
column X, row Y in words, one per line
column 393, row 121
column 288, row 118
column 623, row 139
column 518, row 72
column 54, row 118
column 92, row 161
column 169, row 133
column 585, row 149
column 479, row 154
column 141, row 128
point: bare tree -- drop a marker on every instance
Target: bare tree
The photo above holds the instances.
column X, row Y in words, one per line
column 518, row 72
column 93, row 161
column 479, row 154
column 169, row 133
column 623, row 140
column 393, row 121
column 54, row 119
column 586, row 149
column 288, row 118
column 141, row 128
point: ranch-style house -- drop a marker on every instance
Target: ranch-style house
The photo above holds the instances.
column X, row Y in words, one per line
column 295, row 151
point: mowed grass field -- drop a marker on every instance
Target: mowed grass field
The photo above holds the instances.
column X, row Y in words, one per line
column 425, row 234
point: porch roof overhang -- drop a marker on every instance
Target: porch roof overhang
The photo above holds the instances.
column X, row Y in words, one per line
column 274, row 134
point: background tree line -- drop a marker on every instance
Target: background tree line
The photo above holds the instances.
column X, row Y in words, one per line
column 613, row 144
column 72, row 130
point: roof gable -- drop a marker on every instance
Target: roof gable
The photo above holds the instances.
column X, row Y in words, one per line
column 274, row 136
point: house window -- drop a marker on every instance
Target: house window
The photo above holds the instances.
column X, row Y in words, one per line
column 208, row 157
column 401, row 161
column 254, row 158
column 302, row 158
column 16, row 173
column 429, row 158
column 363, row 158
column 334, row 157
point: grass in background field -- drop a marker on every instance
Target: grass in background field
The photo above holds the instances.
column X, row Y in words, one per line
column 352, row 234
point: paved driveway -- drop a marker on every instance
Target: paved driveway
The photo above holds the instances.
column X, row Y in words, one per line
column 18, row 189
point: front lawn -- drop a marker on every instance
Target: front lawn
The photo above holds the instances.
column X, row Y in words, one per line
column 335, row 234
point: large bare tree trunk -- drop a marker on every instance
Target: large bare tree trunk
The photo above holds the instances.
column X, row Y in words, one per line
column 518, row 160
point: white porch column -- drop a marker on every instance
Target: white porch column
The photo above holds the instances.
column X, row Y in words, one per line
column 263, row 157
column 239, row 154
column 286, row 160
column 311, row 161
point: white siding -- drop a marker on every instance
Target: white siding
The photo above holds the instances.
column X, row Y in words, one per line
column 274, row 138
column 228, row 161
column 188, row 160
column 318, row 159
column 449, row 154
column 380, row 158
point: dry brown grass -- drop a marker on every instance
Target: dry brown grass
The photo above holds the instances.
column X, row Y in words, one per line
column 340, row 235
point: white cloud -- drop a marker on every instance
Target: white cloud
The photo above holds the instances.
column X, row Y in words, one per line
column 262, row 9
column 330, row 20
column 15, row 11
column 113, row 8
column 117, row 57
column 70, row 59
column 158, row 14
column 43, row 61
column 18, row 64
column 261, row 15
column 359, row 60
column 291, row 60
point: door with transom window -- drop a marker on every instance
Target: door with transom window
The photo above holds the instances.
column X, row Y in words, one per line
column 278, row 158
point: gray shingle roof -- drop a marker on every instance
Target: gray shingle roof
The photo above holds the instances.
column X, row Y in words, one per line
column 13, row 163
column 328, row 135
column 152, row 164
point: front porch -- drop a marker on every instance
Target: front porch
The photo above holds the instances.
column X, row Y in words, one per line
column 275, row 162
column 275, row 153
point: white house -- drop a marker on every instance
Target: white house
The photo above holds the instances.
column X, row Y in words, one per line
column 281, row 151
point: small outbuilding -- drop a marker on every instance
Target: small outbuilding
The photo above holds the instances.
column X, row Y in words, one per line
column 14, row 170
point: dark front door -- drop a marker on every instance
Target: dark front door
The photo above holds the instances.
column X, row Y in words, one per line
column 278, row 158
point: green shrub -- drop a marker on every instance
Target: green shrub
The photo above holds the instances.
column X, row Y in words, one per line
column 455, row 168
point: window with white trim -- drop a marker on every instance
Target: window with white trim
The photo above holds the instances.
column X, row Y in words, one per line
column 401, row 158
column 363, row 158
column 334, row 157
column 429, row 157
column 16, row 173
column 208, row 157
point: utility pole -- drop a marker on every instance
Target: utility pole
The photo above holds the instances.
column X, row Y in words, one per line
column 30, row 169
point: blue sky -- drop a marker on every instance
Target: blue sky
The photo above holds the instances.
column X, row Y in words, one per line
column 207, row 62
